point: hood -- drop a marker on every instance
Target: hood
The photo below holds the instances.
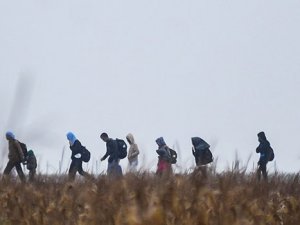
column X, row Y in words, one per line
column 71, row 137
column 262, row 136
column 160, row 141
column 30, row 153
column 130, row 138
column 10, row 134
column 199, row 142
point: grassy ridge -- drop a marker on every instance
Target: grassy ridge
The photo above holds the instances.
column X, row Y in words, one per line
column 232, row 198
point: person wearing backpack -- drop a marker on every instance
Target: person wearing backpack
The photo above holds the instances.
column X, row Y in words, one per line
column 133, row 153
column 202, row 154
column 164, row 165
column 15, row 156
column 266, row 154
column 112, row 152
column 76, row 157
column 31, row 165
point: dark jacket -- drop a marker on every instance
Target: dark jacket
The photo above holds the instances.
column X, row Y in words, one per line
column 76, row 148
column 199, row 144
column 15, row 153
column 31, row 161
column 199, row 150
column 263, row 148
column 111, row 150
column 163, row 150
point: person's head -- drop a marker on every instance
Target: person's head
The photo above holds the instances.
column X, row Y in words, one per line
column 130, row 138
column 261, row 136
column 71, row 137
column 104, row 137
column 30, row 153
column 160, row 142
column 10, row 135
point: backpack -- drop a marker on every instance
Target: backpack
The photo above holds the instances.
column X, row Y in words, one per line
column 271, row 154
column 24, row 149
column 122, row 148
column 173, row 155
column 206, row 156
column 85, row 154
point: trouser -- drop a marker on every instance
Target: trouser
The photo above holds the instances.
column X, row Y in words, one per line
column 133, row 166
column 163, row 168
column 202, row 169
column 76, row 166
column 32, row 175
column 114, row 169
column 10, row 165
column 262, row 169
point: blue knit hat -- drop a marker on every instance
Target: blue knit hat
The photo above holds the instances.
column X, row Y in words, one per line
column 10, row 134
column 71, row 137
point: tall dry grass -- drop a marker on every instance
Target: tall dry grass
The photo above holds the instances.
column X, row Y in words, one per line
column 229, row 198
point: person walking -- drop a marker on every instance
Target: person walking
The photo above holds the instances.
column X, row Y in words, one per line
column 265, row 151
column 76, row 157
column 31, row 165
column 133, row 153
column 15, row 156
column 164, row 166
column 113, row 168
column 202, row 154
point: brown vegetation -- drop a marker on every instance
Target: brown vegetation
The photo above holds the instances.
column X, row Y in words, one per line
column 230, row 198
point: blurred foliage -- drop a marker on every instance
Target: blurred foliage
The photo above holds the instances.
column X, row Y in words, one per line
column 229, row 198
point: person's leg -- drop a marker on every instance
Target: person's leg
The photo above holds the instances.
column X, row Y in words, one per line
column 258, row 173
column 72, row 171
column 111, row 168
column 170, row 169
column 264, row 171
column 10, row 165
column 32, row 175
column 114, row 169
column 203, row 169
column 118, row 169
column 130, row 167
column 83, row 173
column 133, row 166
column 20, row 172
column 159, row 169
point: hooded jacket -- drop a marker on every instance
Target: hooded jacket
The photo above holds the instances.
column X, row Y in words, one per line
column 75, row 146
column 15, row 153
column 199, row 144
column 263, row 148
column 133, row 151
column 199, row 150
column 163, row 150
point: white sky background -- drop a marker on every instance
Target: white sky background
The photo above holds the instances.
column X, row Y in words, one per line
column 221, row 70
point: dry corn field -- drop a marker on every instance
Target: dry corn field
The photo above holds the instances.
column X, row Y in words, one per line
column 229, row 198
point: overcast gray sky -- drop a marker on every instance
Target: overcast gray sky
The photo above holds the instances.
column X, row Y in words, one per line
column 221, row 70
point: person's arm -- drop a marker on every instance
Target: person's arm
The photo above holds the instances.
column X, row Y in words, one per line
column 258, row 149
column 105, row 156
column 108, row 151
column 135, row 151
column 160, row 152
